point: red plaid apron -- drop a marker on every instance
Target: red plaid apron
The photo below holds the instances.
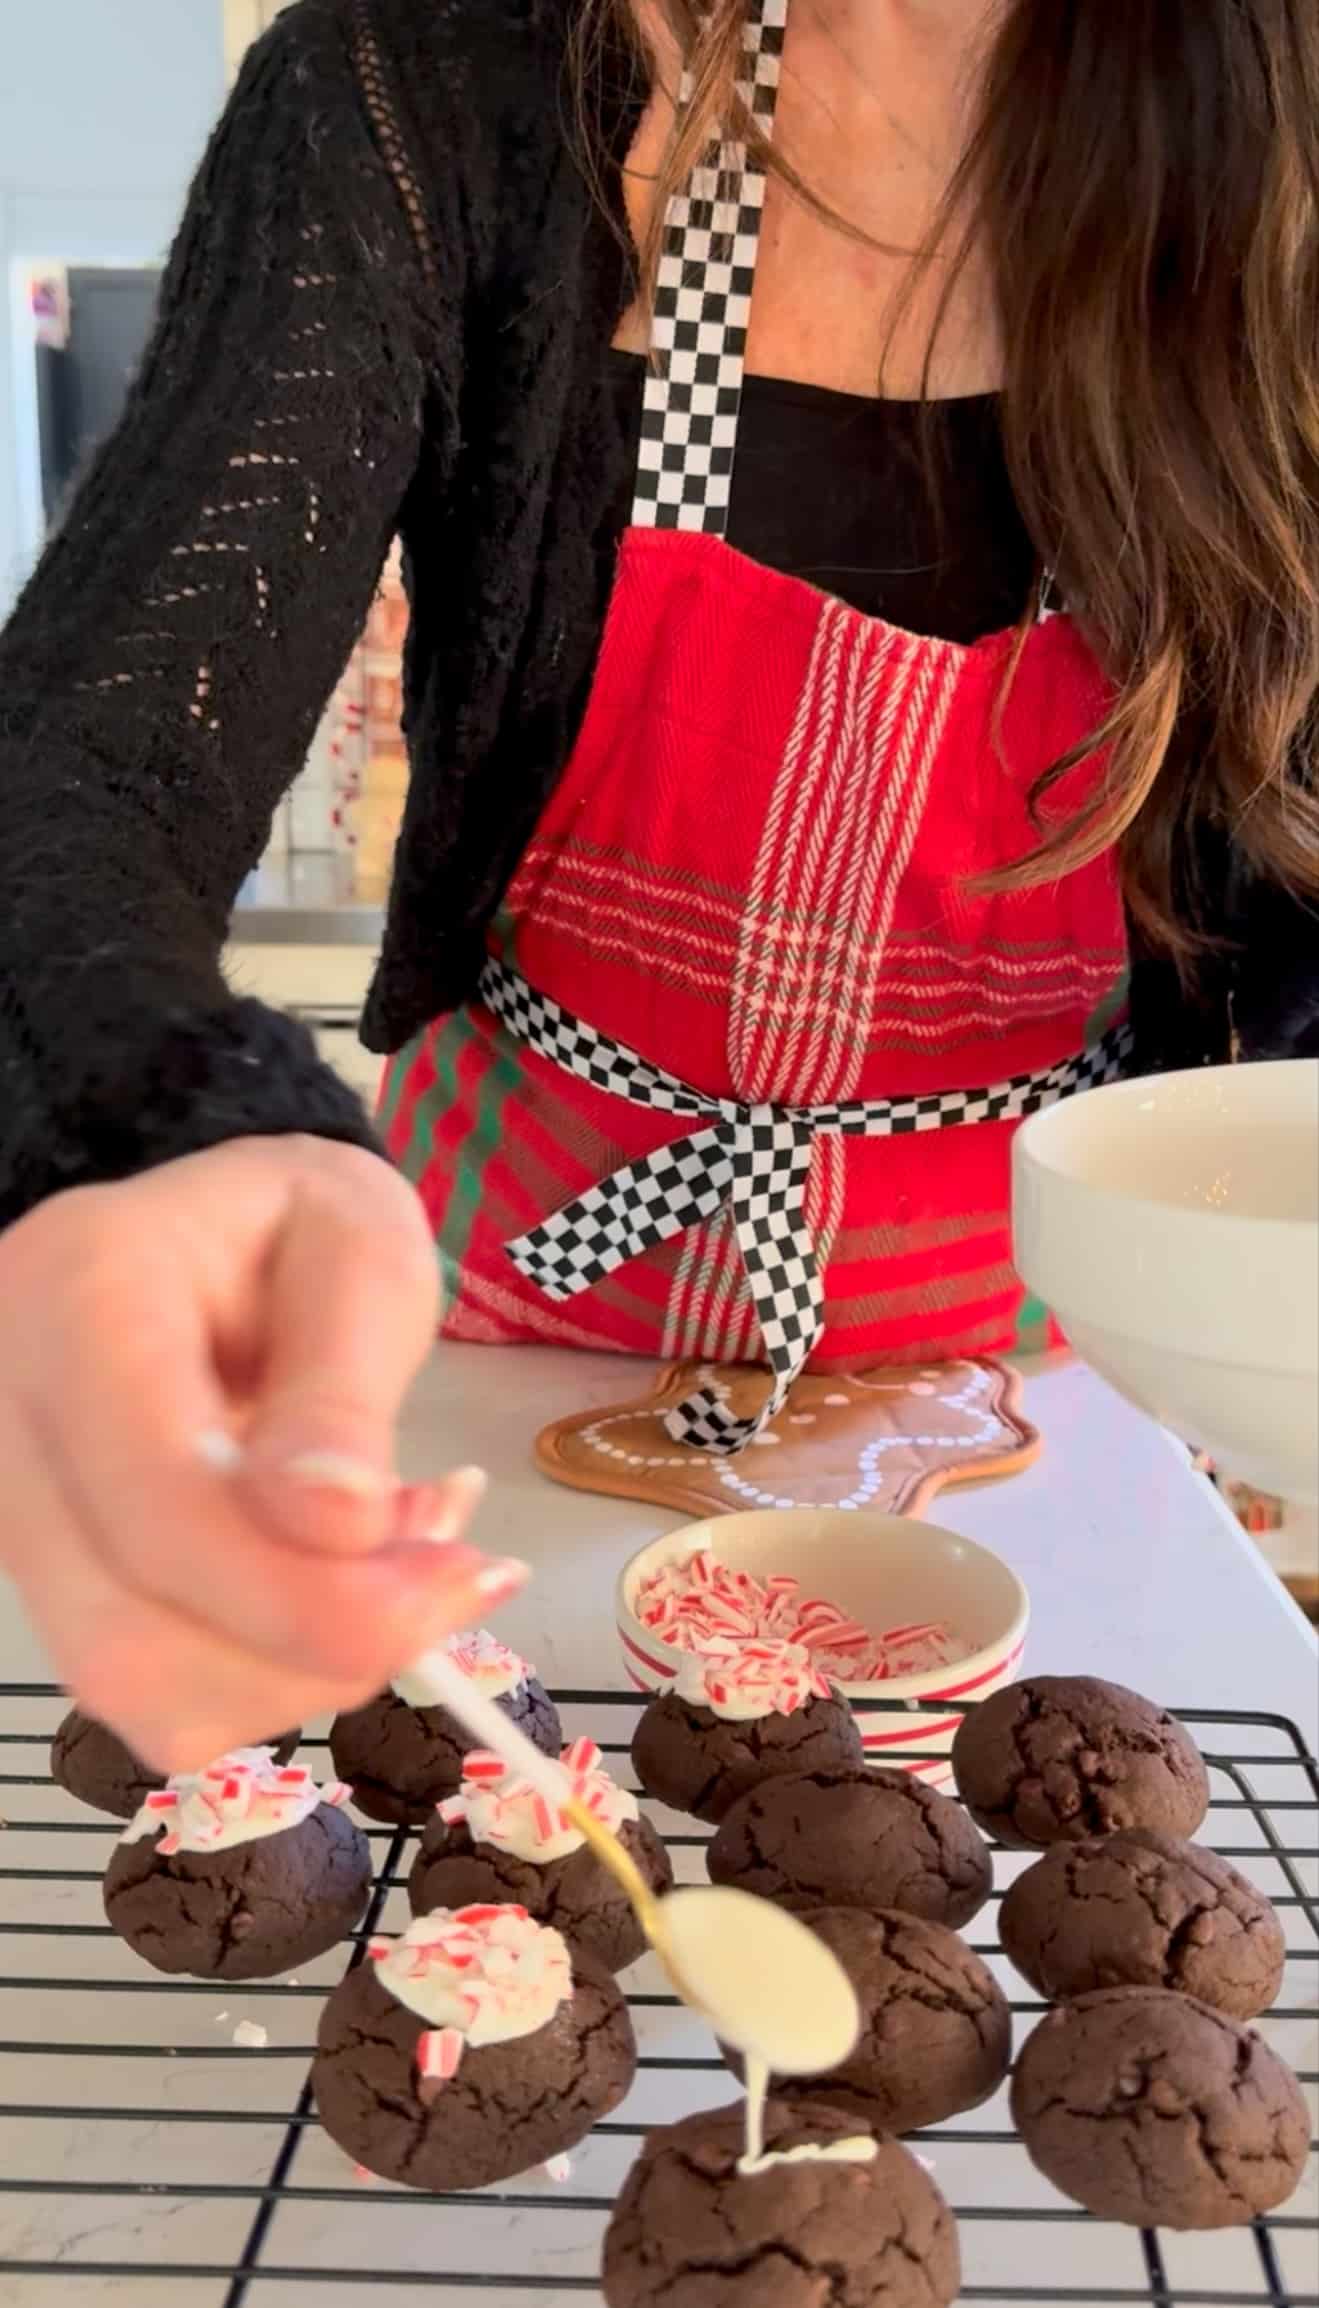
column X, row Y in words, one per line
column 757, row 872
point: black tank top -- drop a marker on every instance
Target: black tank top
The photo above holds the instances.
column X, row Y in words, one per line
column 835, row 488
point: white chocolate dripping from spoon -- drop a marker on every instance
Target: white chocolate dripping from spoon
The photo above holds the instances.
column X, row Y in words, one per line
column 774, row 1991
column 766, row 1984
column 858, row 2150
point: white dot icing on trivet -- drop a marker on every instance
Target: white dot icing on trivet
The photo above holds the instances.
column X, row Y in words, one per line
column 746, row 1682
column 250, row 2036
column 477, row 1976
column 766, row 1440
column 969, row 1385
column 242, row 1798
column 967, row 1400
column 499, row 1809
column 594, row 1435
column 495, row 1670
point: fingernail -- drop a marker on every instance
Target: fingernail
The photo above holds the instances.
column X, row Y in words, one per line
column 335, row 1471
column 219, row 1450
column 458, row 1497
column 500, row 1580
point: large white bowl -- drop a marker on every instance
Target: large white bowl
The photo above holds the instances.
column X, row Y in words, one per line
column 887, row 1571
column 1172, row 1224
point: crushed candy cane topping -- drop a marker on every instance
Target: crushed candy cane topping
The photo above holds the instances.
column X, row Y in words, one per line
column 701, row 1601
column 498, row 1808
column 495, row 1670
column 478, row 1975
column 743, row 1681
column 242, row 1798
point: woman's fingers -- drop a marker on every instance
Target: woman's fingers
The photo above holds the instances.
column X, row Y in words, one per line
column 176, row 1690
column 177, row 1529
column 173, row 1347
column 349, row 1314
column 308, row 1302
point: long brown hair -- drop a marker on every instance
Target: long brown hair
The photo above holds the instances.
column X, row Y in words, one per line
column 1145, row 180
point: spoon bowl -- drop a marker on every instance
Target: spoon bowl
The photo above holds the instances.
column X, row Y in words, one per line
column 729, row 1956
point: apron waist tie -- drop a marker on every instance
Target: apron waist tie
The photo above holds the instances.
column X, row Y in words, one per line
column 754, row 1159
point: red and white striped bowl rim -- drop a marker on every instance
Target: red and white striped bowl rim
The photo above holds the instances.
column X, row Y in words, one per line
column 928, row 1728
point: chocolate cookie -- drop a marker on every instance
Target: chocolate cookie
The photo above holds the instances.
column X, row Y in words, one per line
column 90, row 1761
column 691, row 2231
column 575, row 1895
column 401, row 1760
column 936, row 2031
column 245, row 1912
column 509, row 2107
column 696, row 1761
column 1149, row 2108
column 855, row 1839
column 1063, row 1757
column 1142, row 1909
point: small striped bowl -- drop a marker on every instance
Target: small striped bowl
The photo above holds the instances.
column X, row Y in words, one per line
column 887, row 1571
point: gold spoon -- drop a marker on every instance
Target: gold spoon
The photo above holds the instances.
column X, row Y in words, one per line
column 729, row 1956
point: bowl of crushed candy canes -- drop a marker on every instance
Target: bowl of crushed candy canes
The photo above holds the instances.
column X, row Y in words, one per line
column 762, row 1611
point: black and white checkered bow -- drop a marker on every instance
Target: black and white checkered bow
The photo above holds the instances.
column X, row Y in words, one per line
column 755, row 1160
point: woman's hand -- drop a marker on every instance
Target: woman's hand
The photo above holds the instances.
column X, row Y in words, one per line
column 200, row 1375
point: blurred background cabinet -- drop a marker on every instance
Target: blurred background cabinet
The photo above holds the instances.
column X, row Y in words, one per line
column 243, row 21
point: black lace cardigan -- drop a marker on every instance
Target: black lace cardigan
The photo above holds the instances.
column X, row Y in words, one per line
column 384, row 314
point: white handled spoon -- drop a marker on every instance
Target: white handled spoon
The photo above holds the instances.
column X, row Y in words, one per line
column 764, row 1982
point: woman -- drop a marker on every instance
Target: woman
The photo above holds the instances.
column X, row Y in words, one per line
column 949, row 745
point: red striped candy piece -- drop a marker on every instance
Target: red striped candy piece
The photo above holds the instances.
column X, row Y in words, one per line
column 583, row 1755
column 484, row 1767
column 439, row 2054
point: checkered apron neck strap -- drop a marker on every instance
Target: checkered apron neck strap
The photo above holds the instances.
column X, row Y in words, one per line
column 754, row 1161
column 693, row 392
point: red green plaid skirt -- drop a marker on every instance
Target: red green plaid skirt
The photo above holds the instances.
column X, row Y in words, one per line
column 760, row 872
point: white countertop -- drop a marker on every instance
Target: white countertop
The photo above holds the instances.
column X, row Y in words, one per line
column 1136, row 1570
column 1135, row 1567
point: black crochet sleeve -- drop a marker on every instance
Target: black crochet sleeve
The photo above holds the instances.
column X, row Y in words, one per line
column 163, row 674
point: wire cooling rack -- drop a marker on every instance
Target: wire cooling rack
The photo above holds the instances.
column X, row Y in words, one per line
column 158, row 2144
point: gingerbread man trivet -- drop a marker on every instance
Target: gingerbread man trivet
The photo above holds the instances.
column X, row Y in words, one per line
column 885, row 1437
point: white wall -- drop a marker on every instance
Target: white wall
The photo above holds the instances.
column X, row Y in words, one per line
column 243, row 20
column 105, row 106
